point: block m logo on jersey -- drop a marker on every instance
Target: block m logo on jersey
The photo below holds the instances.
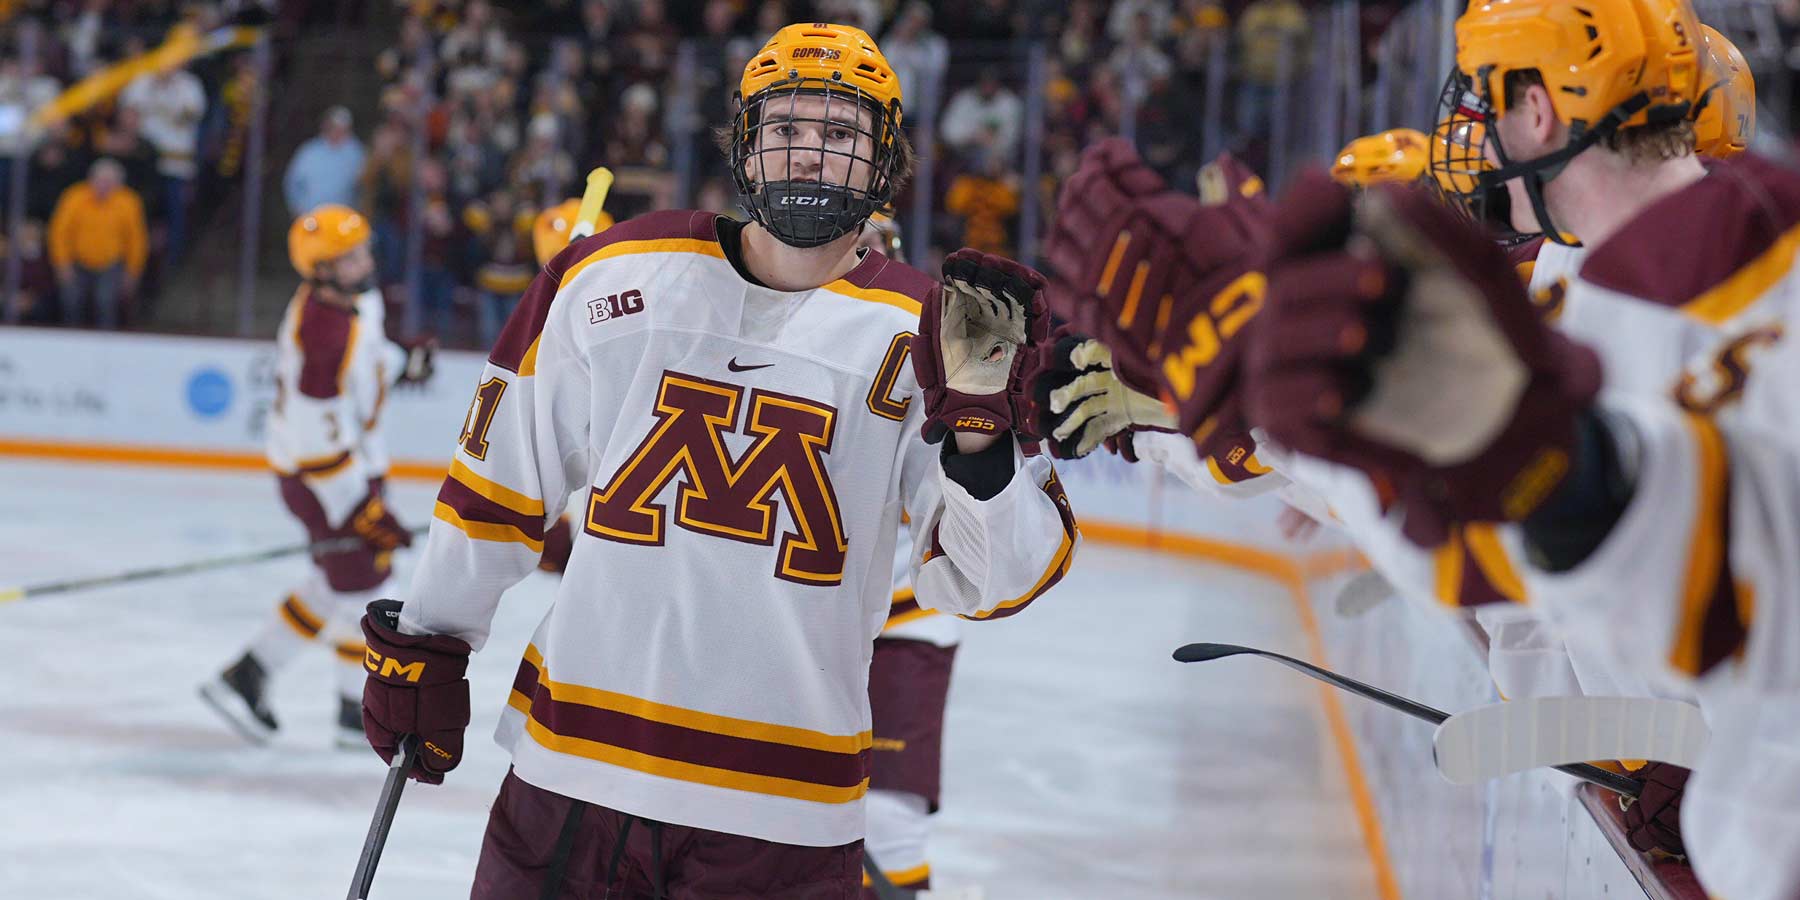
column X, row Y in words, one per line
column 728, row 498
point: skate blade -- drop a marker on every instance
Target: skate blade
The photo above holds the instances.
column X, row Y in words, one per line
column 235, row 712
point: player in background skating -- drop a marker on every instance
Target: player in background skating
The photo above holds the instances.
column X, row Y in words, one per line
column 333, row 367
column 691, row 717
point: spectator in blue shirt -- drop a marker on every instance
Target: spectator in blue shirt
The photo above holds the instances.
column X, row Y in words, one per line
column 325, row 168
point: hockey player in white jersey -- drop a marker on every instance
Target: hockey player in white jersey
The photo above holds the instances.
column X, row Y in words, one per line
column 691, row 718
column 334, row 367
column 1486, row 415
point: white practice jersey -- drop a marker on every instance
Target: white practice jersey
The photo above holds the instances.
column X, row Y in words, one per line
column 746, row 457
column 332, row 370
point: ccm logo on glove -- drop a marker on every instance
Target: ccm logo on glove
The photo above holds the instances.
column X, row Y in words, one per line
column 388, row 667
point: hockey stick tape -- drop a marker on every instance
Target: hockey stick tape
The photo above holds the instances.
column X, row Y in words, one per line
column 1498, row 740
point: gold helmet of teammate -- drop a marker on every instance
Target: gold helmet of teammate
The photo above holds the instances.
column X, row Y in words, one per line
column 1607, row 65
column 550, row 232
column 324, row 234
column 816, row 145
column 1396, row 155
column 1727, row 110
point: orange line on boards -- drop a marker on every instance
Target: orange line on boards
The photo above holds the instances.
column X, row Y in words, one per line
column 180, row 457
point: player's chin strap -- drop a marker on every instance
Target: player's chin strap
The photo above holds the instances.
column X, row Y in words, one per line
column 1535, row 173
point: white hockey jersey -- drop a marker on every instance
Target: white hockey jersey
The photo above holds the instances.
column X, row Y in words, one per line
column 907, row 620
column 333, row 368
column 747, row 456
column 390, row 364
column 1699, row 580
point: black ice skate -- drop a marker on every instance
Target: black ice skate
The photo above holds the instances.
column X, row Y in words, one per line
column 237, row 695
column 349, row 725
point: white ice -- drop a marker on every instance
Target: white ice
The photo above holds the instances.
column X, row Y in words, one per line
column 1081, row 762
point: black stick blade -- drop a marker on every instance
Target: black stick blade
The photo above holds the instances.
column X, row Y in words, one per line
column 1204, row 652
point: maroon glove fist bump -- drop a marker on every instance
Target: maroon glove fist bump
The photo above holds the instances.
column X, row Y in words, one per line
column 1399, row 340
column 1169, row 284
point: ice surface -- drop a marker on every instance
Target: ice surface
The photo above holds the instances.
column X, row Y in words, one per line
column 1081, row 762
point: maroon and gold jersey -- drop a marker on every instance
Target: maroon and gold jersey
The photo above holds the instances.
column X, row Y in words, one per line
column 744, row 458
column 333, row 368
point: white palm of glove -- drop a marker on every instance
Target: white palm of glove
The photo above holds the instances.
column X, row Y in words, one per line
column 1099, row 405
column 980, row 336
column 1453, row 381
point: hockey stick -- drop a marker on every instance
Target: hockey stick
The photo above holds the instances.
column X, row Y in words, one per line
column 885, row 889
column 1618, row 784
column 1498, row 740
column 593, row 200
column 385, row 806
column 34, row 591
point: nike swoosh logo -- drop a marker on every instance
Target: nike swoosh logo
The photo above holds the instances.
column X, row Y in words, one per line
column 733, row 366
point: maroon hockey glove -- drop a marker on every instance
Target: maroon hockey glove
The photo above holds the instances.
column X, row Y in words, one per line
column 376, row 525
column 559, row 542
column 421, row 361
column 415, row 686
column 978, row 333
column 1399, row 340
column 1168, row 283
column 1653, row 822
column 1227, row 180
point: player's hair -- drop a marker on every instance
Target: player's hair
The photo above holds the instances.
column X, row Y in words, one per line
column 1654, row 141
column 904, row 159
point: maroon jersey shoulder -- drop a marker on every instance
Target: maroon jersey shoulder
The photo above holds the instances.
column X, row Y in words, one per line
column 324, row 334
column 527, row 319
column 1683, row 249
column 879, row 273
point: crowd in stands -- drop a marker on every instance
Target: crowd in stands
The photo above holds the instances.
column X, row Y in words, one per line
column 490, row 110
column 112, row 191
column 511, row 102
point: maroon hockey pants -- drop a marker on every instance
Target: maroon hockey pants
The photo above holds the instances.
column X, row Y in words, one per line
column 542, row 845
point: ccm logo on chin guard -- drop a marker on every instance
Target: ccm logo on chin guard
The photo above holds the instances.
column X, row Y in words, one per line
column 804, row 200
column 612, row 306
column 976, row 423
column 388, row 667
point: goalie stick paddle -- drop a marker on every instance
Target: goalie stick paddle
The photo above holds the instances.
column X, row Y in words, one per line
column 35, row 591
column 385, row 807
column 1618, row 784
column 1498, row 740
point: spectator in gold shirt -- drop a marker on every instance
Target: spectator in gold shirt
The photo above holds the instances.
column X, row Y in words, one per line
column 98, row 243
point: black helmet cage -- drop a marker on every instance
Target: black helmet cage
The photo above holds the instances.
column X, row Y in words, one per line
column 805, row 213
